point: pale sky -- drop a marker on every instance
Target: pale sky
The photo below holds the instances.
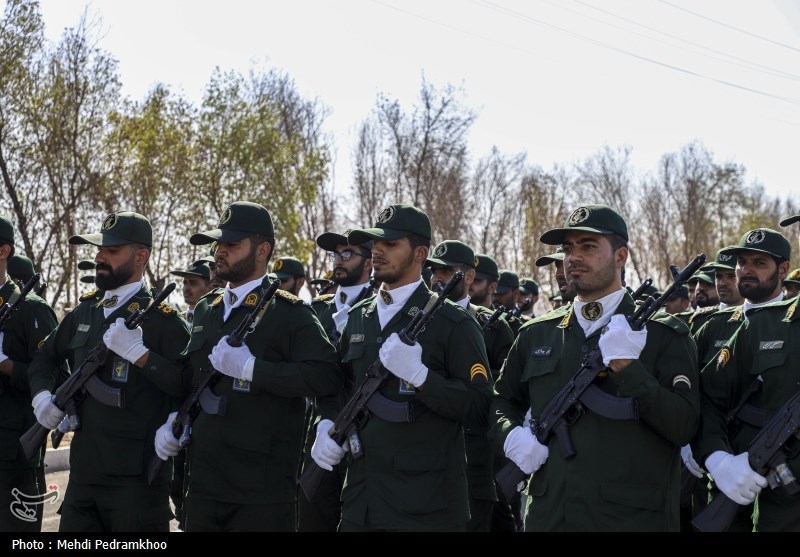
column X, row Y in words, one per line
column 555, row 79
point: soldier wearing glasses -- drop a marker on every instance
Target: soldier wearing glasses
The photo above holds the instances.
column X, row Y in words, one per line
column 352, row 266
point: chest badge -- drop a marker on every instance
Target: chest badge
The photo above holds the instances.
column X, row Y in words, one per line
column 241, row 385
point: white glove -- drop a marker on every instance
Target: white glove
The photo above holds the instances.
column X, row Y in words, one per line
column 340, row 318
column 620, row 342
column 166, row 443
column 403, row 361
column 325, row 451
column 236, row 362
column 690, row 462
column 45, row 411
column 124, row 341
column 523, row 448
column 734, row 477
column 3, row 356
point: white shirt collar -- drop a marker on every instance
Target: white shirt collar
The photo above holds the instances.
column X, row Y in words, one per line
column 609, row 303
column 750, row 305
column 464, row 302
column 352, row 292
column 123, row 294
column 238, row 293
column 400, row 296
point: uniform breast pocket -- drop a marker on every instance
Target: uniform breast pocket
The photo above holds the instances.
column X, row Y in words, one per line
column 779, row 377
column 355, row 351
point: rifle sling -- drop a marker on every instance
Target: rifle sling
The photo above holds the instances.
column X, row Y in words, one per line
column 395, row 412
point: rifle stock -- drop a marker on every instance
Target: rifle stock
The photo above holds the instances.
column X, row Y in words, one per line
column 552, row 420
column 69, row 394
column 190, row 408
column 353, row 415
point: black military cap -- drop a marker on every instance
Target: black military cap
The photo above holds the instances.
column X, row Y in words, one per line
column 20, row 267
column 529, row 287
column 793, row 278
column 509, row 280
column 393, row 223
column 486, row 268
column 86, row 264
column 681, row 292
column 701, row 276
column 207, row 259
column 288, row 267
column 452, row 253
column 197, row 269
column 790, row 220
column 329, row 240
column 550, row 258
column 762, row 240
column 240, row 220
column 119, row 229
column 600, row 219
column 7, row 233
column 427, row 274
column 722, row 260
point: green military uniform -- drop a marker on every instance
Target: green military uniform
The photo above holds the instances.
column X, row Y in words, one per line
column 109, row 454
column 244, row 464
column 412, row 475
column 25, row 329
column 625, row 473
column 761, row 353
column 508, row 281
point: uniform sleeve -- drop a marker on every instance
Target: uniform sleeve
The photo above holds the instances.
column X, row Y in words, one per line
column 165, row 367
column 39, row 321
column 312, row 366
column 668, row 394
column 510, row 401
column 722, row 385
column 51, row 358
column 463, row 390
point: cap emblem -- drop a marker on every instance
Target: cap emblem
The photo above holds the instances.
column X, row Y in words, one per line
column 755, row 237
column 109, row 222
column 278, row 265
column 440, row 250
column 723, row 258
column 578, row 216
column 385, row 216
column 226, row 216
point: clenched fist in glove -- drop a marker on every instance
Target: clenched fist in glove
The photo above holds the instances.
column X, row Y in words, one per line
column 47, row 413
column 734, row 477
column 403, row 361
column 620, row 342
column 325, row 451
column 523, row 449
column 166, row 443
column 124, row 341
column 690, row 462
column 236, row 362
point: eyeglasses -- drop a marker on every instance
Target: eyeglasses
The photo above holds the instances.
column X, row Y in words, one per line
column 345, row 255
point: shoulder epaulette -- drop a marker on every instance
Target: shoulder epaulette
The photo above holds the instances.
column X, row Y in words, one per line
column 166, row 309
column 323, row 297
column 89, row 295
column 288, row 297
column 674, row 323
column 211, row 294
column 703, row 311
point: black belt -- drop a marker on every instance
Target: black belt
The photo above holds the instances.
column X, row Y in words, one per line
column 396, row 412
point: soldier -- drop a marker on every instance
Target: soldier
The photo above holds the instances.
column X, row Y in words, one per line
column 566, row 292
column 529, row 289
column 507, row 294
column 244, row 462
column 412, row 473
column 449, row 257
column 25, row 328
column 108, row 489
column 352, row 267
column 762, row 262
column 678, row 303
column 706, row 298
column 196, row 284
column 791, row 285
column 625, row 473
column 481, row 291
column 292, row 274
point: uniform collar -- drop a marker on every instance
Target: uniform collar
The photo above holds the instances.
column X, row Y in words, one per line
column 114, row 299
column 351, row 293
column 750, row 305
column 234, row 297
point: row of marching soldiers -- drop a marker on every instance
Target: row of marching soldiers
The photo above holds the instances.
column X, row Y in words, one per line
column 460, row 400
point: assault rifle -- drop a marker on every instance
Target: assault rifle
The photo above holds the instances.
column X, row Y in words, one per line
column 7, row 310
column 766, row 456
column 355, row 413
column 517, row 310
column 581, row 391
column 493, row 318
column 71, row 392
column 187, row 413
